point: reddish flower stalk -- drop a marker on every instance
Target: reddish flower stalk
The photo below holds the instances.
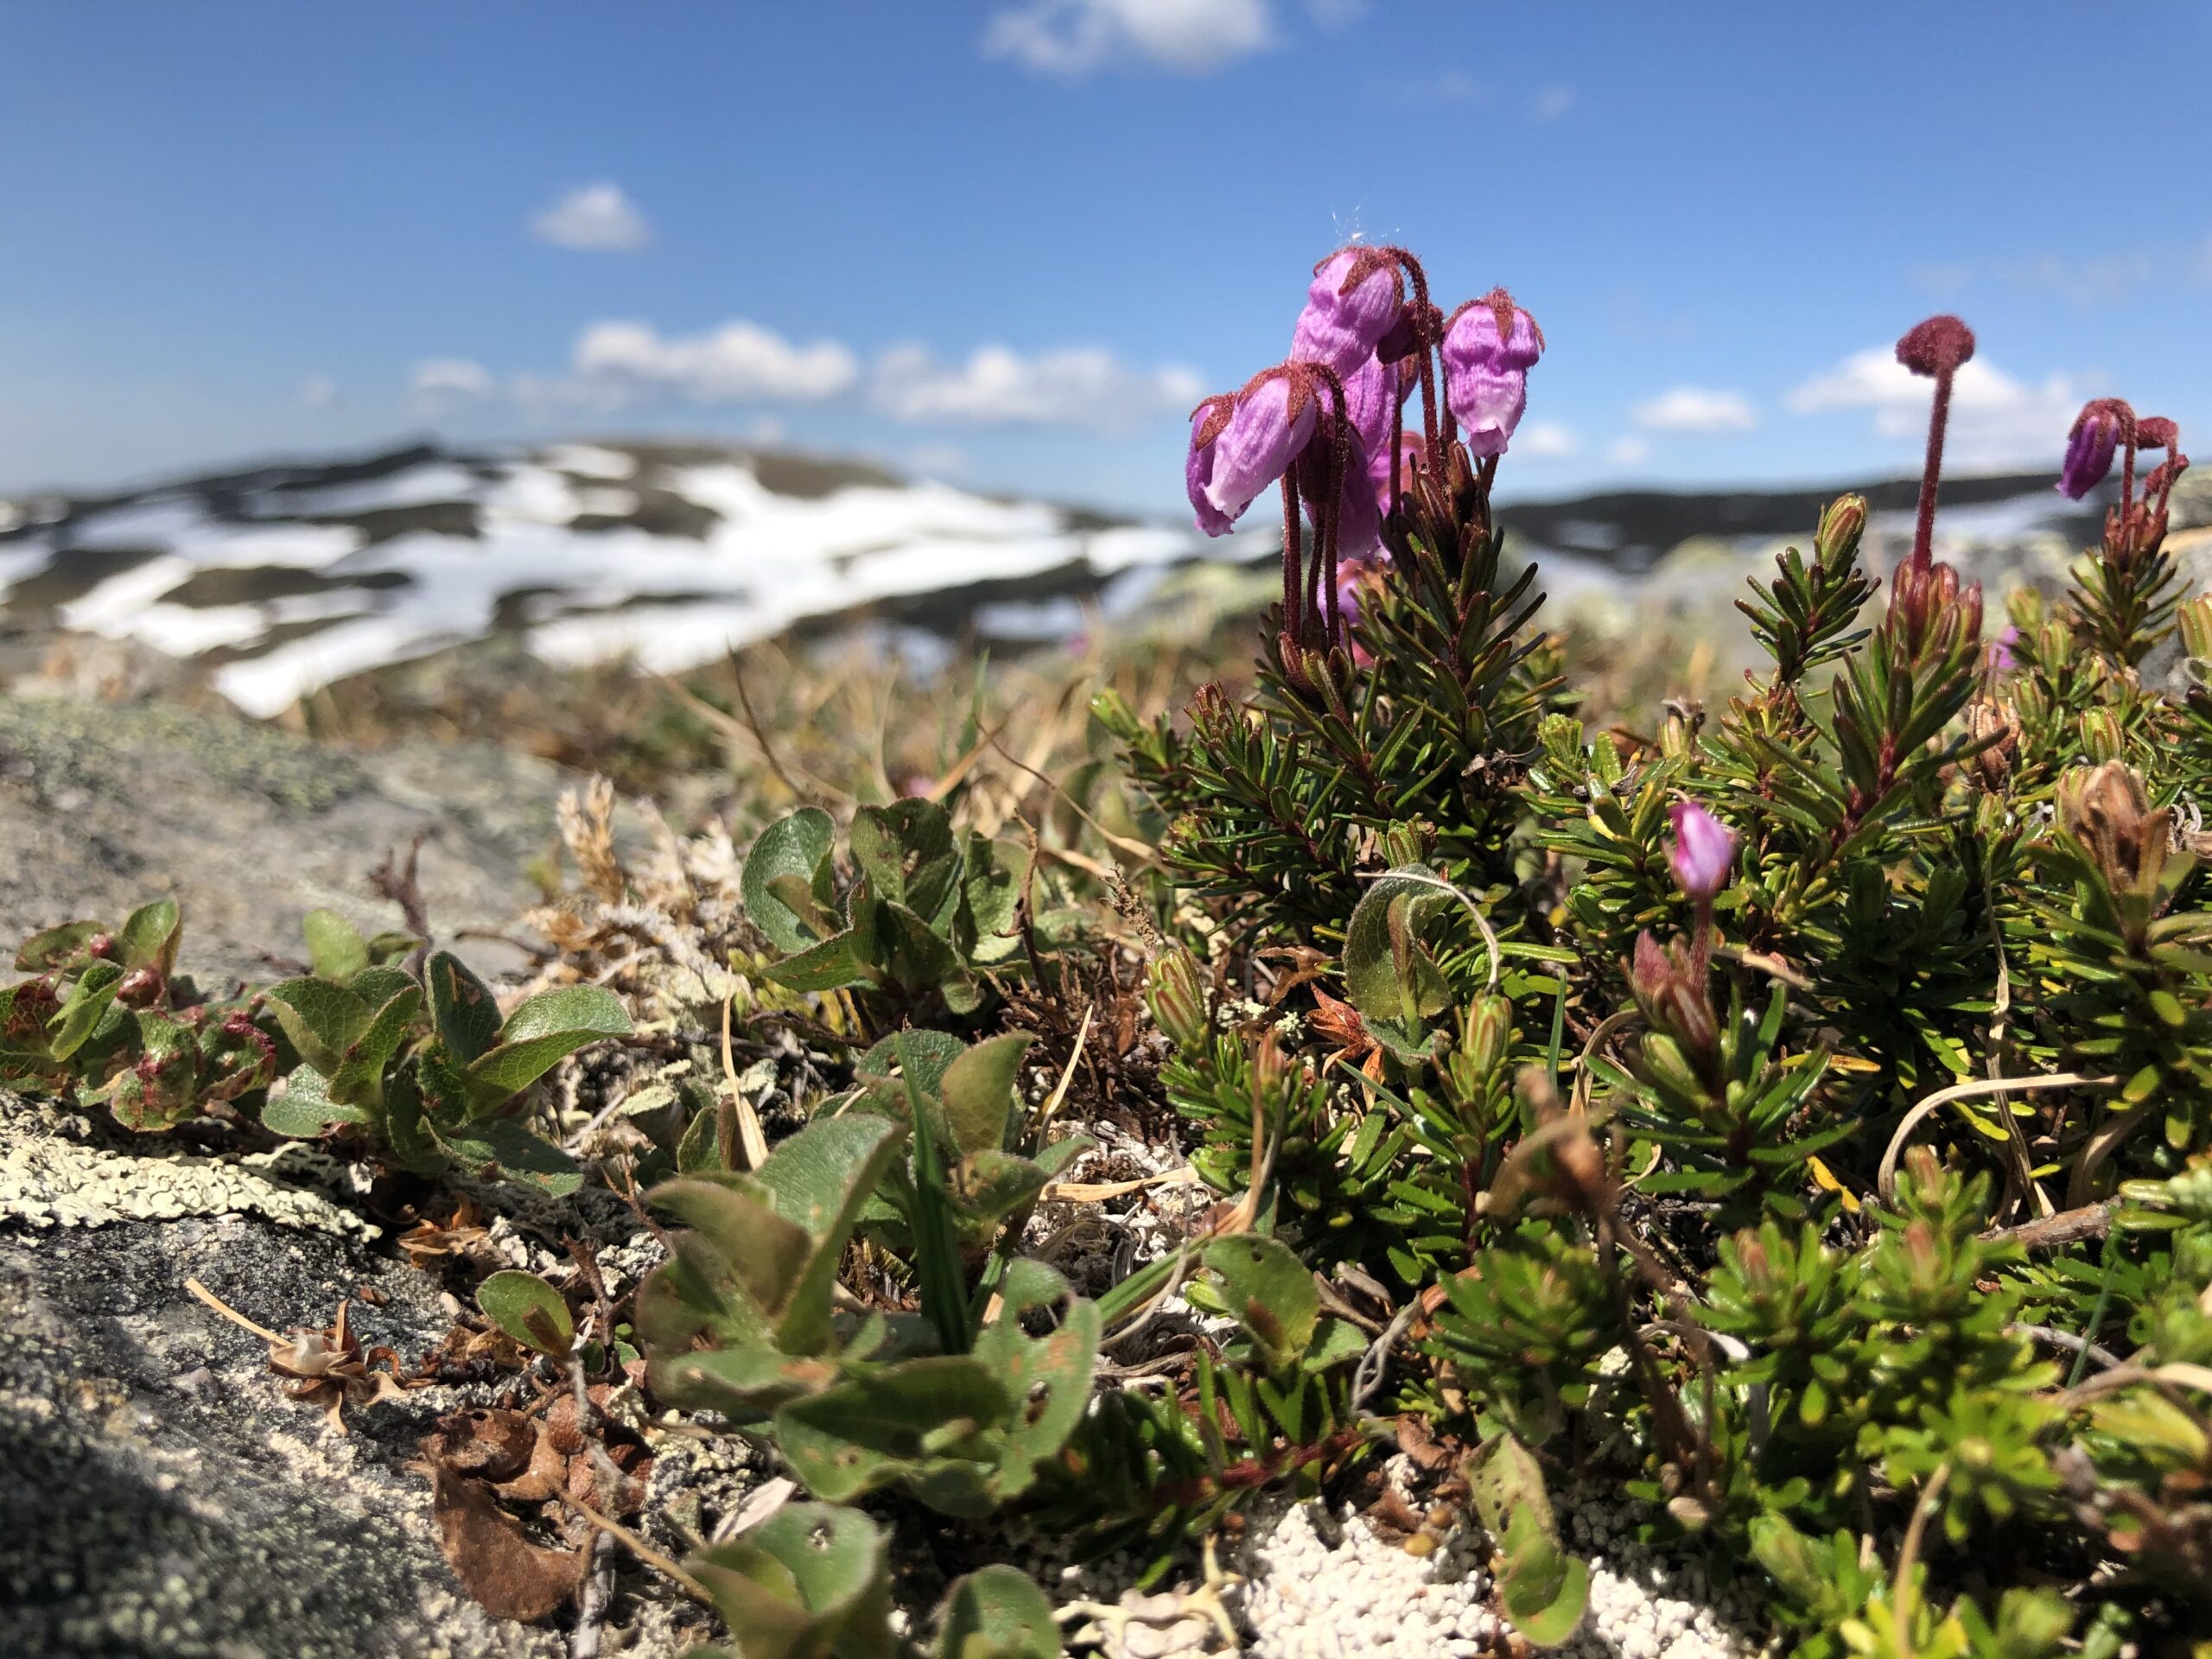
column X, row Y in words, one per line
column 1935, row 348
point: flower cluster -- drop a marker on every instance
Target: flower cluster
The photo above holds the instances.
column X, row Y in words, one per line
column 1328, row 424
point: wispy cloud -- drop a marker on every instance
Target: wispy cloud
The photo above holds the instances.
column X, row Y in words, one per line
column 1444, row 86
column 996, row 386
column 2111, row 277
column 1075, row 37
column 594, row 219
column 455, row 377
column 1945, row 280
column 1629, row 451
column 318, row 391
column 1696, row 410
column 2103, row 279
column 620, row 365
column 939, row 461
column 739, row 362
column 1546, row 441
column 1552, row 102
column 1996, row 420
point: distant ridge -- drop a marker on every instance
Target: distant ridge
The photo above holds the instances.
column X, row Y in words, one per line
column 273, row 579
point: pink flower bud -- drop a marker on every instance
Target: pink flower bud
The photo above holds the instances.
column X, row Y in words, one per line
column 1704, row 850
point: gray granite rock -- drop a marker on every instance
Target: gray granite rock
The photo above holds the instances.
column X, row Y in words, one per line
column 104, row 806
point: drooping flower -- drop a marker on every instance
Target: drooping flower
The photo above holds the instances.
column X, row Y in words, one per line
column 1207, row 421
column 1490, row 345
column 1357, row 295
column 1936, row 348
column 1704, row 851
column 2103, row 425
column 1272, row 421
column 1368, row 396
column 2156, row 432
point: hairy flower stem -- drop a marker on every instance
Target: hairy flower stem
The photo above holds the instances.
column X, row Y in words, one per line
column 1939, row 416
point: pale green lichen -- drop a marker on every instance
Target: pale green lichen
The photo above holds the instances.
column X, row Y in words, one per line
column 50, row 1178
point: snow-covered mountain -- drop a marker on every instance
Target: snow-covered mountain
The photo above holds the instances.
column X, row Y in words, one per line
column 287, row 577
column 279, row 580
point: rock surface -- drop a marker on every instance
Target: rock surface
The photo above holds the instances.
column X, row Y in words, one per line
column 105, row 806
column 159, row 1495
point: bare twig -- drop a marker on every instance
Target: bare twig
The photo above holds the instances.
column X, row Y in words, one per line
column 232, row 1313
column 591, row 1606
column 643, row 1551
column 2103, row 1358
column 1376, row 1360
column 2057, row 1232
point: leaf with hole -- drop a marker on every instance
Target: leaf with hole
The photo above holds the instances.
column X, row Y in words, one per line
column 810, row 1582
column 528, row 1310
column 57, row 947
column 1269, row 1291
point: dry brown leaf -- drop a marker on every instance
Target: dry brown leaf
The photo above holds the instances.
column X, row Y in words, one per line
column 495, row 1562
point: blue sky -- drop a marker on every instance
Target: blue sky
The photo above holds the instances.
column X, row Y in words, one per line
column 1009, row 242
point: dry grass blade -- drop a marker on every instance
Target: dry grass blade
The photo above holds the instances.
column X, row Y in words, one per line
column 1886, row 1179
column 751, row 1141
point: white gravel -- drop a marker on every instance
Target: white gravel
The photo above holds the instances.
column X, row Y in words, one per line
column 1368, row 1597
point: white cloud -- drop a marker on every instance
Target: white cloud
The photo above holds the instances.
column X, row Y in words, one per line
column 1630, row 451
column 1546, row 440
column 1552, row 103
column 739, row 362
column 1995, row 419
column 318, row 391
column 618, row 365
column 453, row 377
column 1074, row 387
column 1696, row 409
column 594, row 219
column 1073, row 37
